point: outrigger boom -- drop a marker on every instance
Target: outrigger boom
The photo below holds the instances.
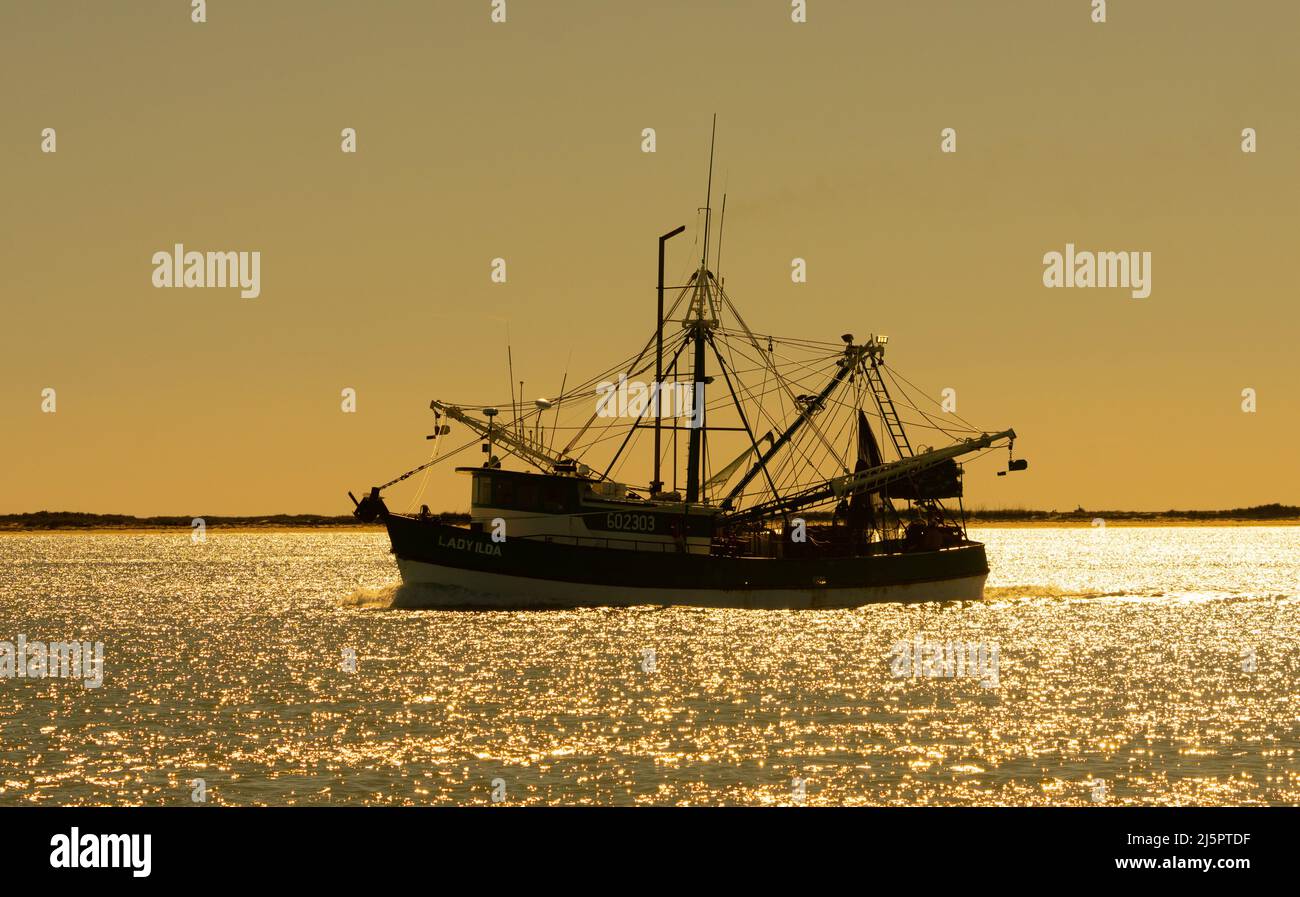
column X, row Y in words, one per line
column 874, row 479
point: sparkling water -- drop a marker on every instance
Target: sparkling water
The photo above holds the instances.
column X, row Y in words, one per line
column 1134, row 665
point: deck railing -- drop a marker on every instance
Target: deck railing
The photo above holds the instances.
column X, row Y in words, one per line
column 607, row 542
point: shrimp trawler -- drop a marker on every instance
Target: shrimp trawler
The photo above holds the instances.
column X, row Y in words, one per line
column 821, row 498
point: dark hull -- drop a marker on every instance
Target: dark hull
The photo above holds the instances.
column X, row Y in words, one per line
column 472, row 570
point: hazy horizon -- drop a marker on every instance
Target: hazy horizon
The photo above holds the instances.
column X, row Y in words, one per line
column 976, row 510
column 523, row 140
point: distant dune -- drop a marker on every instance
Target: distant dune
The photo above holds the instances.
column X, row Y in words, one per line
column 76, row 520
column 1274, row 513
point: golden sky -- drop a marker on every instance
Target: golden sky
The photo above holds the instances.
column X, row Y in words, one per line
column 522, row 140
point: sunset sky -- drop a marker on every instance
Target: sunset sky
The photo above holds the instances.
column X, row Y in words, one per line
column 522, row 140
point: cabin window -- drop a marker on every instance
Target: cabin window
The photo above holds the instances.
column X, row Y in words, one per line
column 526, row 495
column 553, row 498
column 503, row 492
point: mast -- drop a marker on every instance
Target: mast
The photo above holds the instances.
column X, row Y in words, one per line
column 657, row 484
column 698, row 327
column 697, row 422
column 708, row 194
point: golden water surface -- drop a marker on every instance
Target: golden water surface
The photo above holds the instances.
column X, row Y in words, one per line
column 1136, row 665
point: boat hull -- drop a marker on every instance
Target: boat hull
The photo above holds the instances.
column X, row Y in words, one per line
column 450, row 566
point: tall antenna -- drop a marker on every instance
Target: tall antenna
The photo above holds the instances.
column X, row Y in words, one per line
column 555, row 424
column 510, row 366
column 708, row 194
column 722, row 222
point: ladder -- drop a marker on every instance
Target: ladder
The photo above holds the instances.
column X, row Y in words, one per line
column 887, row 411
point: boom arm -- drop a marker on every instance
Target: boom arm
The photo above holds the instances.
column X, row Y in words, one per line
column 525, row 449
column 871, row 479
column 852, row 356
